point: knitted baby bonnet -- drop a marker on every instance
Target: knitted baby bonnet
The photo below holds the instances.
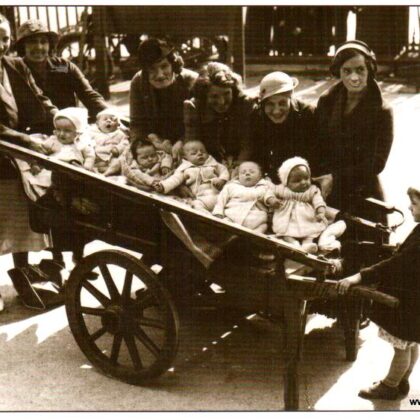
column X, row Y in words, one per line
column 288, row 165
column 78, row 116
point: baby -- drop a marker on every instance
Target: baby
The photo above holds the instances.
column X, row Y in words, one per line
column 242, row 201
column 300, row 211
column 200, row 172
column 68, row 144
column 109, row 140
column 145, row 165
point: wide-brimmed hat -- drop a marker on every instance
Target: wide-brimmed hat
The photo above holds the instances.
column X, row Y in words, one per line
column 31, row 28
column 152, row 50
column 276, row 82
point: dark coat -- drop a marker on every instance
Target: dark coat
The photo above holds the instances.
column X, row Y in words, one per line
column 273, row 143
column 64, row 83
column 159, row 111
column 399, row 276
column 35, row 111
column 224, row 135
column 354, row 148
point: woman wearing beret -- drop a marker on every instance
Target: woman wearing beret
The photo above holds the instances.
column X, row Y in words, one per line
column 60, row 79
column 355, row 130
column 282, row 126
column 218, row 115
column 157, row 94
column 23, row 109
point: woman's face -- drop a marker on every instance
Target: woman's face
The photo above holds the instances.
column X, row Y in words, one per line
column 4, row 38
column 277, row 107
column 161, row 74
column 37, row 48
column 219, row 99
column 354, row 74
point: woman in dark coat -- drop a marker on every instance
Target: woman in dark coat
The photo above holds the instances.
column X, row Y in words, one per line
column 23, row 110
column 157, row 94
column 398, row 276
column 355, row 131
column 60, row 80
column 282, row 126
column 219, row 115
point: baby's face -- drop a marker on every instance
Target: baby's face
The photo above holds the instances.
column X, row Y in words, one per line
column 249, row 174
column 147, row 157
column 299, row 179
column 107, row 123
column 65, row 131
column 196, row 153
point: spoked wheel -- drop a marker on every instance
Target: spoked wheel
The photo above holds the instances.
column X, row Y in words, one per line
column 124, row 321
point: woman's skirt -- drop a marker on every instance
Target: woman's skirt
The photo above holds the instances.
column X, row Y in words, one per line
column 15, row 232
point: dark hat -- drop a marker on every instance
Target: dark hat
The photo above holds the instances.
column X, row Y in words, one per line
column 34, row 27
column 152, row 50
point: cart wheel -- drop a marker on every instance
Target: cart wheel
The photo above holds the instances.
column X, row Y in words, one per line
column 124, row 321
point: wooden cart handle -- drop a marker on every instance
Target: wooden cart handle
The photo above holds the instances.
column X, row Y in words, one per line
column 328, row 289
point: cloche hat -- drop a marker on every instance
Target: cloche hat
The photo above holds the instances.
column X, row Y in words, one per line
column 31, row 28
column 152, row 50
column 276, row 82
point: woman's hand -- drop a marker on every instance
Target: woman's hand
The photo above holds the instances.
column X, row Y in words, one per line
column 344, row 284
column 326, row 183
column 177, row 150
column 34, row 142
column 274, row 202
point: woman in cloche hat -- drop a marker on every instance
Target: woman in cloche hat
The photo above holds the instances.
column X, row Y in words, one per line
column 60, row 79
column 282, row 126
column 157, row 94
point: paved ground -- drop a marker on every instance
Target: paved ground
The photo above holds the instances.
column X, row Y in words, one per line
column 43, row 369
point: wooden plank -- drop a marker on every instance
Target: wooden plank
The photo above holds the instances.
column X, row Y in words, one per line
column 161, row 202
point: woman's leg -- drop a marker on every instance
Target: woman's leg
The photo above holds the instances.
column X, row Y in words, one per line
column 399, row 367
column 20, row 259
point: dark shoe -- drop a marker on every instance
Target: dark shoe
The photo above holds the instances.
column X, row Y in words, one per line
column 404, row 387
column 379, row 391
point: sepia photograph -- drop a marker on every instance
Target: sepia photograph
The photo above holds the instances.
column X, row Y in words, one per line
column 209, row 207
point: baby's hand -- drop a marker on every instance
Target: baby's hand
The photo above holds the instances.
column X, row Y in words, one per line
column 157, row 186
column 320, row 217
column 115, row 152
column 274, row 202
column 218, row 183
column 165, row 171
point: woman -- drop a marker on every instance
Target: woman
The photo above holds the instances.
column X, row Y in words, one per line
column 60, row 80
column 218, row 115
column 157, row 94
column 355, row 130
column 23, row 109
column 282, row 126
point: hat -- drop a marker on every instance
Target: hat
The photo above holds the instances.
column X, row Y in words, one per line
column 34, row 27
column 276, row 82
column 152, row 50
column 78, row 116
column 109, row 111
column 288, row 165
column 356, row 45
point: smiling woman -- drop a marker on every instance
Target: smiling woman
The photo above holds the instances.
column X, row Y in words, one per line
column 60, row 80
